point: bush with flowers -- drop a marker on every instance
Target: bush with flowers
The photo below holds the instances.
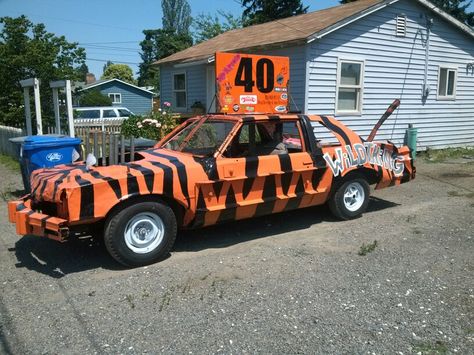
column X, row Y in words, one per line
column 154, row 126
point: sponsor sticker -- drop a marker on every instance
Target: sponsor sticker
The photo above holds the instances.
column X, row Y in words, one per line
column 236, row 108
column 284, row 96
column 228, row 99
column 54, row 157
column 250, row 108
column 280, row 108
column 279, row 89
column 248, row 99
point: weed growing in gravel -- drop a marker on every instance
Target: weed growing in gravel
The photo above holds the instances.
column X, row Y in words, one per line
column 367, row 248
column 431, row 349
column 129, row 299
column 441, row 155
column 9, row 162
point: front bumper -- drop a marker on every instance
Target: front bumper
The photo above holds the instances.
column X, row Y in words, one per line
column 30, row 222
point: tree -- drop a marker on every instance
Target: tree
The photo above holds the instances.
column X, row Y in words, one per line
column 261, row 11
column 207, row 26
column 82, row 72
column 456, row 8
column 94, row 98
column 176, row 15
column 106, row 65
column 119, row 71
column 28, row 50
column 161, row 43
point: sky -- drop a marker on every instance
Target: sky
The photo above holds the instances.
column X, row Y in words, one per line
column 112, row 29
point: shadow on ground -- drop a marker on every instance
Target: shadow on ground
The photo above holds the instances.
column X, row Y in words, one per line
column 59, row 259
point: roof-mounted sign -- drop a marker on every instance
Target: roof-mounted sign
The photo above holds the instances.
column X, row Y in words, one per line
column 252, row 83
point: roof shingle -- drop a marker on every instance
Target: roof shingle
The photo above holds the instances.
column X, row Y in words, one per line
column 289, row 30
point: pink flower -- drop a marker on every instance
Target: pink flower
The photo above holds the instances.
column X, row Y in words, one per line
column 167, row 104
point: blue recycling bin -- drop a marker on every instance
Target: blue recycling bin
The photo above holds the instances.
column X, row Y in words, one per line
column 45, row 152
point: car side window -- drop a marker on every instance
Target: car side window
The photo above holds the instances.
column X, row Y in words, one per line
column 265, row 138
column 124, row 113
column 87, row 114
column 109, row 114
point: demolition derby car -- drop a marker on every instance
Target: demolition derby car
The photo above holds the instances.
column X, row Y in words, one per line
column 211, row 169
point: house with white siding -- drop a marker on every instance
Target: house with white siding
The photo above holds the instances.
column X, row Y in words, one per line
column 122, row 94
column 352, row 61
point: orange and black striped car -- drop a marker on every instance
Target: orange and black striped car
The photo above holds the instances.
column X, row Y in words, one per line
column 209, row 170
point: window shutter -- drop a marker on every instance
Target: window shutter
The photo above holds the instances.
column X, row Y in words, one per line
column 401, row 30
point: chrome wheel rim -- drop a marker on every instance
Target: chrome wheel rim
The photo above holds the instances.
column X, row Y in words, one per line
column 144, row 232
column 354, row 196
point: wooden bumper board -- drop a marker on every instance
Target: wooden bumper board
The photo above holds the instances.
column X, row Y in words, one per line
column 30, row 222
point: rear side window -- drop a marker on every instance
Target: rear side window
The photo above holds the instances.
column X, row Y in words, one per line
column 124, row 113
column 109, row 114
column 87, row 114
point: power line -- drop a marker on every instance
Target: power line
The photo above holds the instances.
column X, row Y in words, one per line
column 115, row 61
column 92, row 43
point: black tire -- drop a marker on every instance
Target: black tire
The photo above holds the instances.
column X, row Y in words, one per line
column 339, row 207
column 145, row 215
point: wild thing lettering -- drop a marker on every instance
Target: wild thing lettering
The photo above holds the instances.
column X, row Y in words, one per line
column 365, row 153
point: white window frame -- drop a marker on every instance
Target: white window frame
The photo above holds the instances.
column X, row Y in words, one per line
column 447, row 97
column 180, row 108
column 112, row 97
column 360, row 86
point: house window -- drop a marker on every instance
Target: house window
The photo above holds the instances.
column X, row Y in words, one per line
column 349, row 87
column 179, row 90
column 447, row 83
column 116, row 98
column 401, row 29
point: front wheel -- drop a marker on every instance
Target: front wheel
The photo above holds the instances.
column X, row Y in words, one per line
column 350, row 199
column 140, row 234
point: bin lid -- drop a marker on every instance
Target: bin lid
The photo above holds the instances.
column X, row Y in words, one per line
column 32, row 142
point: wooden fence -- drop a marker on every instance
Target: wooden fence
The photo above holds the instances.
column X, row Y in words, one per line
column 108, row 147
column 7, row 147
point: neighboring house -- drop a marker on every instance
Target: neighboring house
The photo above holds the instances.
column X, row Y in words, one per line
column 352, row 61
column 136, row 99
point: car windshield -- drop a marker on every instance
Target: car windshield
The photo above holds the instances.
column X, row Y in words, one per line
column 201, row 138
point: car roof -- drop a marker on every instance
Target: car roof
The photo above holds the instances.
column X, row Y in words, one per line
column 100, row 107
column 252, row 117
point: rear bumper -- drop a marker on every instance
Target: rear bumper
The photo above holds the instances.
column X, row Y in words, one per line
column 30, row 222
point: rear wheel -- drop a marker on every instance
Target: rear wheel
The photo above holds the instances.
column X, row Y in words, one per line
column 350, row 199
column 140, row 234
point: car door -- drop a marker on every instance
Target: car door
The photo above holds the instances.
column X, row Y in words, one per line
column 259, row 174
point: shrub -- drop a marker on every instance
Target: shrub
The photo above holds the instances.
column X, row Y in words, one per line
column 155, row 126
column 94, row 98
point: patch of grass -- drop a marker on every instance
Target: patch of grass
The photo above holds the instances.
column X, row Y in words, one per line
column 129, row 299
column 441, row 155
column 454, row 194
column 431, row 349
column 367, row 248
column 9, row 162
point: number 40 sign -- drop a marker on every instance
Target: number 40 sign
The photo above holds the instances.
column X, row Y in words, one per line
column 252, row 83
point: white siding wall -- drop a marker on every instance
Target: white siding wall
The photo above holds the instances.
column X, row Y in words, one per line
column 394, row 68
column 195, row 84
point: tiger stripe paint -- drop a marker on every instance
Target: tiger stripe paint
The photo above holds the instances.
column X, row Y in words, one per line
column 213, row 189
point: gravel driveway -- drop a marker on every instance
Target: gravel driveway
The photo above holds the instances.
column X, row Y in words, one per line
column 284, row 284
